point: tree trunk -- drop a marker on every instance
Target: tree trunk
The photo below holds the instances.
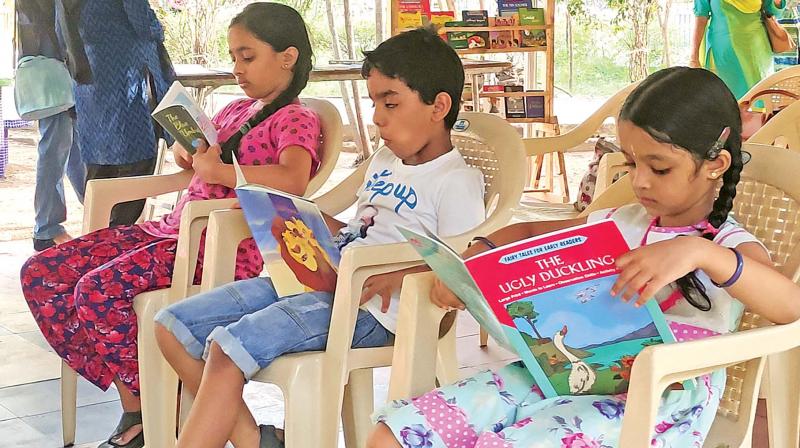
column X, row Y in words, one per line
column 570, row 49
column 379, row 28
column 348, row 106
column 531, row 322
column 663, row 20
column 640, row 18
column 361, row 129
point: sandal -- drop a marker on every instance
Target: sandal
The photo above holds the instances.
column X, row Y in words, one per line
column 128, row 420
column 269, row 438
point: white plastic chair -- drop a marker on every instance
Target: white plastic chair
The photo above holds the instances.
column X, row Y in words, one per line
column 767, row 204
column 319, row 386
column 156, row 377
column 781, row 130
column 537, row 211
column 786, row 79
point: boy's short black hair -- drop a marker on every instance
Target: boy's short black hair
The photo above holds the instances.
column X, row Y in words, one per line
column 424, row 62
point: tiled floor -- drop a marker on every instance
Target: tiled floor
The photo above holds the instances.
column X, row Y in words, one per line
column 30, row 405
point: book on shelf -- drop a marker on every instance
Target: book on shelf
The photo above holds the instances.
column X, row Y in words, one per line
column 515, row 106
column 475, row 17
column 532, row 17
column 493, row 105
column 439, row 18
column 547, row 299
column 180, row 115
column 409, row 19
column 457, row 39
column 534, row 106
column 508, row 7
column 292, row 237
column 421, row 6
column 505, row 38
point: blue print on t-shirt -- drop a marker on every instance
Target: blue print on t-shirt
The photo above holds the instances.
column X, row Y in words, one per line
column 379, row 186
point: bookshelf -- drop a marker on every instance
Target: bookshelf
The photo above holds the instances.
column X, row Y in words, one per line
column 538, row 81
column 536, row 56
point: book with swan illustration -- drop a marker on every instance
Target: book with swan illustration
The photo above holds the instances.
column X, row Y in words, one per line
column 547, row 298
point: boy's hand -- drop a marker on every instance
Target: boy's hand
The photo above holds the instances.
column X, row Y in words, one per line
column 383, row 285
column 649, row 268
column 442, row 297
column 207, row 163
column 182, row 157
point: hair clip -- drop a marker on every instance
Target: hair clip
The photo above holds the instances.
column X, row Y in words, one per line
column 718, row 145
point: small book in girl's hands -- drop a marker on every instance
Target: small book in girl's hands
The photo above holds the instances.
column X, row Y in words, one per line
column 547, row 298
column 292, row 236
column 180, row 115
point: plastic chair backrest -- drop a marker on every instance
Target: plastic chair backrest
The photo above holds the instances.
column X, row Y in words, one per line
column 490, row 144
column 786, row 79
column 331, row 124
column 767, row 204
column 782, row 130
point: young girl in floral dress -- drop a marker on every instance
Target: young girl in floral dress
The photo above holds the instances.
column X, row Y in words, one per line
column 81, row 292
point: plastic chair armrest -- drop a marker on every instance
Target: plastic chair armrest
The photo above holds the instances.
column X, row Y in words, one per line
column 194, row 219
column 658, row 366
column 226, row 229
column 414, row 357
column 103, row 194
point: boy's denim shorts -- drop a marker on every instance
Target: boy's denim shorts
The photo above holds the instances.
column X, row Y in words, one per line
column 253, row 326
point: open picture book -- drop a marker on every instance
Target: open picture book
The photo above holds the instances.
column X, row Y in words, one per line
column 180, row 115
column 548, row 300
column 291, row 234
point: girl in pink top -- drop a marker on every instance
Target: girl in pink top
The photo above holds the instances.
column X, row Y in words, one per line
column 81, row 292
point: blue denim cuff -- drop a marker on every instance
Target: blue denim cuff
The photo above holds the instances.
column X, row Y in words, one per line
column 233, row 347
column 168, row 320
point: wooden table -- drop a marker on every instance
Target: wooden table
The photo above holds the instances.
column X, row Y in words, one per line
column 204, row 80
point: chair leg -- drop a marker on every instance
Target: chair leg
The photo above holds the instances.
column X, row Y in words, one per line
column 69, row 403
column 157, row 381
column 311, row 419
column 783, row 404
column 484, row 337
column 562, row 170
column 357, row 408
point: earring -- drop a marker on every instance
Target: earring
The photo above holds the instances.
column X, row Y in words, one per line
column 714, row 175
column 285, row 66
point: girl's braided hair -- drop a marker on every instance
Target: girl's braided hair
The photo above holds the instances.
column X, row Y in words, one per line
column 690, row 108
column 281, row 27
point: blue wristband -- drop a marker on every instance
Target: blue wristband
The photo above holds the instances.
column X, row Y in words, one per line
column 736, row 274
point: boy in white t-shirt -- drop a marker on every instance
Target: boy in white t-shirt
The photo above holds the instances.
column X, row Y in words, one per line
column 415, row 81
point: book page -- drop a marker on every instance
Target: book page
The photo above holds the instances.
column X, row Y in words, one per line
column 450, row 268
column 183, row 119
